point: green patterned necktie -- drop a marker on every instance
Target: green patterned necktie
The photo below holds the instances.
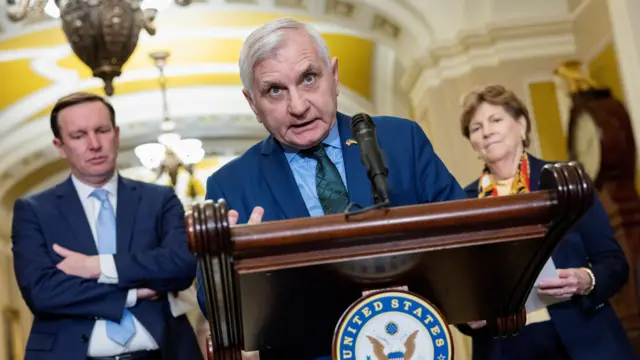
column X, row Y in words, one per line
column 332, row 193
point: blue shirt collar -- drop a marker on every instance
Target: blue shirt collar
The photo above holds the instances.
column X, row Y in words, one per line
column 332, row 140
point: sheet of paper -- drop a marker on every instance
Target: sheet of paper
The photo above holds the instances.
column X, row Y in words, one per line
column 184, row 302
column 537, row 301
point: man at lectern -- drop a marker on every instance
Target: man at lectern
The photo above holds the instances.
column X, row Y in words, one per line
column 591, row 265
column 311, row 165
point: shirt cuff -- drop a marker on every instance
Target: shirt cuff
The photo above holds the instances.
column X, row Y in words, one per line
column 132, row 298
column 108, row 271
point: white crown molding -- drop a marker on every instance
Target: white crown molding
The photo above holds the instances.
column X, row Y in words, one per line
column 496, row 43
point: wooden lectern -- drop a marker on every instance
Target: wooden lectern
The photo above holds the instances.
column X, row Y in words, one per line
column 473, row 259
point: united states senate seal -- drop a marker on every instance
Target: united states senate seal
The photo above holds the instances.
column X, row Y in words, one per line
column 392, row 325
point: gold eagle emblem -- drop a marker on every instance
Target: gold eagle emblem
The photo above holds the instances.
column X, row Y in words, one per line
column 379, row 347
column 571, row 72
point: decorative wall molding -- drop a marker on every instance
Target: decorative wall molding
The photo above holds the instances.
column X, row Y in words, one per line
column 496, row 44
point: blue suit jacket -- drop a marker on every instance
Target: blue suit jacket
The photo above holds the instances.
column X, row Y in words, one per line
column 262, row 177
column 152, row 253
column 588, row 326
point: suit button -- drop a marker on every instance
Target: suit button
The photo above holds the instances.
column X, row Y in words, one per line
column 84, row 338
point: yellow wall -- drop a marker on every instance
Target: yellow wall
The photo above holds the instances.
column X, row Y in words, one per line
column 603, row 68
column 546, row 111
column 19, row 81
column 355, row 54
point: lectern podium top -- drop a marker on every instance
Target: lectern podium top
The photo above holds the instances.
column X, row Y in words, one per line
column 473, row 259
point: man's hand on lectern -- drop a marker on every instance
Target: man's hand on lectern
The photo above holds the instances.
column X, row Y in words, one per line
column 477, row 324
column 255, row 218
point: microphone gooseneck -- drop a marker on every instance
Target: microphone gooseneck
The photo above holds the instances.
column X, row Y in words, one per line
column 364, row 132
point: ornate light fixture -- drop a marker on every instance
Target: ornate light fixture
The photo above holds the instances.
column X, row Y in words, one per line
column 102, row 33
column 171, row 152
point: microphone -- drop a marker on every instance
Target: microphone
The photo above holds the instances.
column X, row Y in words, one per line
column 364, row 130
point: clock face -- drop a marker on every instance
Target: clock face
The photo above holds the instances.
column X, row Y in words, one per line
column 586, row 144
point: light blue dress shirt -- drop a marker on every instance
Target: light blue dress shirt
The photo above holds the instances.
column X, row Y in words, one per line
column 304, row 170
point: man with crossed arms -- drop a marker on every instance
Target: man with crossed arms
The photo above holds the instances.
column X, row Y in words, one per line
column 98, row 256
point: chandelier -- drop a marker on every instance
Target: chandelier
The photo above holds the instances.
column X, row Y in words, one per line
column 171, row 152
column 102, row 33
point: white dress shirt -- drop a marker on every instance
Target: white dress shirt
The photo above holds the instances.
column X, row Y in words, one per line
column 99, row 343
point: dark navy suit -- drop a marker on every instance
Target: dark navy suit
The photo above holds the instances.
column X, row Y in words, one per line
column 263, row 177
column 586, row 326
column 151, row 253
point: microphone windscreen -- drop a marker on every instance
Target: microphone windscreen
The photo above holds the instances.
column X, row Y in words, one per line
column 360, row 118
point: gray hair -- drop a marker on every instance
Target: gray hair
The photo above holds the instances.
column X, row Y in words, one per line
column 264, row 41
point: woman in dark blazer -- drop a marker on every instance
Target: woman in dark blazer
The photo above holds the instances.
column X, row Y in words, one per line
column 591, row 265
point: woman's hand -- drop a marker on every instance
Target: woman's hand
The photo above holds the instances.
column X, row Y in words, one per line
column 570, row 282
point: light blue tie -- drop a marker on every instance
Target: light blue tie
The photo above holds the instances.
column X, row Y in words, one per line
column 106, row 231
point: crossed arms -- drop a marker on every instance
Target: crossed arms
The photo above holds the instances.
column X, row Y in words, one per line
column 66, row 285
